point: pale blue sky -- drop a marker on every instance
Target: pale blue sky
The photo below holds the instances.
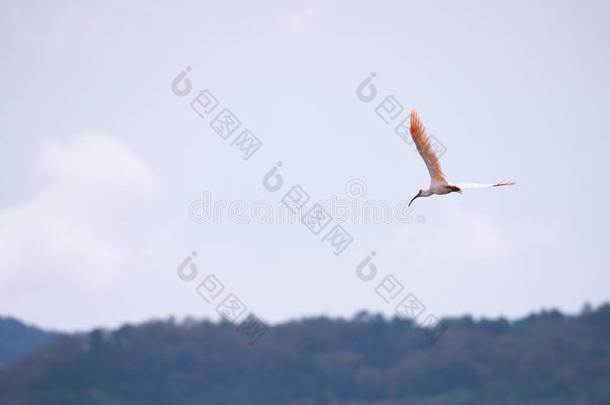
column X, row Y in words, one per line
column 100, row 161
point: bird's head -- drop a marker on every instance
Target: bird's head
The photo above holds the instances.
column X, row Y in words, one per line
column 419, row 194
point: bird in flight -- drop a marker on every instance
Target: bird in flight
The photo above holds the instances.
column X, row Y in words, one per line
column 438, row 184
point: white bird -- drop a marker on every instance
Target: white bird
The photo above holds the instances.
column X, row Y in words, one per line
column 438, row 184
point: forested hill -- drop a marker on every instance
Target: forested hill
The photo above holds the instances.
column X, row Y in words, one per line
column 546, row 358
column 18, row 340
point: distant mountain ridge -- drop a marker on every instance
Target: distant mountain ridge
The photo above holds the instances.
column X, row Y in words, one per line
column 543, row 359
column 18, row 340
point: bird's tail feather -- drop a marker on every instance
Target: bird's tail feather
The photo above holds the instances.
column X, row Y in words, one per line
column 480, row 185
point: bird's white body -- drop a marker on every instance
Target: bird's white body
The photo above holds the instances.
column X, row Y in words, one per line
column 438, row 184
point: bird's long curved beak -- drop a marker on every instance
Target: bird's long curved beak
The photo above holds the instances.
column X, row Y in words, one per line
column 417, row 195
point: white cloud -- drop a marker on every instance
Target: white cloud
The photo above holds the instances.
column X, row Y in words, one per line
column 69, row 230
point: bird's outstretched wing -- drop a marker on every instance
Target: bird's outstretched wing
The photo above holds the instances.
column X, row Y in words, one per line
column 418, row 133
column 478, row 185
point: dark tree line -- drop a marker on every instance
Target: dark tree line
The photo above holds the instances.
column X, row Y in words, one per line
column 546, row 358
